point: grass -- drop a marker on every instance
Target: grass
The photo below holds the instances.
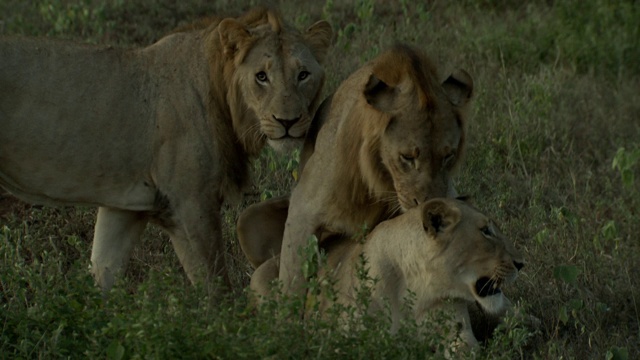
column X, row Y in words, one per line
column 553, row 155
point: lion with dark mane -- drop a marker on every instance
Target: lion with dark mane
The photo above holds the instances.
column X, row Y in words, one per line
column 388, row 139
column 161, row 134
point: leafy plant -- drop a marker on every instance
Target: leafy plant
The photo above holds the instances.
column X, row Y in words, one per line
column 626, row 162
column 71, row 16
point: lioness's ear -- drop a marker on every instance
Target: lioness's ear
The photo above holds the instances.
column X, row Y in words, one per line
column 459, row 87
column 319, row 36
column 232, row 35
column 378, row 94
column 438, row 215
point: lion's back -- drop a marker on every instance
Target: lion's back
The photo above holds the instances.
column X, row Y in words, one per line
column 66, row 119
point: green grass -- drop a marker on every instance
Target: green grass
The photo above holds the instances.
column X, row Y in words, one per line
column 554, row 138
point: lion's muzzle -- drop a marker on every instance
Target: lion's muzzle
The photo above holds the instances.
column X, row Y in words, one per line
column 287, row 125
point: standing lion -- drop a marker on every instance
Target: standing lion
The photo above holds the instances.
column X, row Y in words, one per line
column 160, row 134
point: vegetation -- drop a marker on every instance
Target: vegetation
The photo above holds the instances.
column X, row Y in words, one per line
column 553, row 155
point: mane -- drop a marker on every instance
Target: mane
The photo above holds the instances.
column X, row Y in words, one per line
column 226, row 104
column 198, row 24
column 261, row 21
column 371, row 183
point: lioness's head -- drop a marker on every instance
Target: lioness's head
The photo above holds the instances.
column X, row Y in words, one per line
column 466, row 250
column 419, row 125
column 277, row 76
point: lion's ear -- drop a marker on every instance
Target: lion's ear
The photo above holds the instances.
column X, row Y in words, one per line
column 459, row 87
column 319, row 36
column 438, row 215
column 379, row 95
column 232, row 36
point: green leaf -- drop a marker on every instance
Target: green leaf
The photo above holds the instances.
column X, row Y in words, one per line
column 602, row 307
column 566, row 273
column 115, row 351
column 266, row 194
column 618, row 160
column 563, row 315
column 627, row 178
column 617, row 353
column 609, row 230
column 576, row 304
column 542, row 236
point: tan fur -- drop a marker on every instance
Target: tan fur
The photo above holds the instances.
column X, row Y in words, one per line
column 389, row 139
column 444, row 251
column 162, row 134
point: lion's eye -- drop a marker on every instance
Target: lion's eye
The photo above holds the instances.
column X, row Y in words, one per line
column 407, row 158
column 262, row 77
column 486, row 231
column 303, row 75
column 448, row 160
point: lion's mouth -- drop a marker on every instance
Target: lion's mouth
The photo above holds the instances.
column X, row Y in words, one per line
column 487, row 287
column 289, row 136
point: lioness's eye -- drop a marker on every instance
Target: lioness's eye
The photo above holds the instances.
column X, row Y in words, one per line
column 262, row 76
column 486, row 231
column 303, row 75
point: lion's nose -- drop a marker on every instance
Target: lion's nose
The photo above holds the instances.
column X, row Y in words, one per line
column 287, row 123
column 518, row 265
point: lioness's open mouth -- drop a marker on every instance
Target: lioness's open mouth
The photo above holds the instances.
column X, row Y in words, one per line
column 486, row 287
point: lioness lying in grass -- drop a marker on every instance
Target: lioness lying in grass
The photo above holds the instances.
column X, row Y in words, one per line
column 444, row 251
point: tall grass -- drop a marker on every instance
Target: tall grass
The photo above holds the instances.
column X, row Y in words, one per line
column 554, row 139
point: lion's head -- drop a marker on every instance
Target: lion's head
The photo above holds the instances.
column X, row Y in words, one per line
column 274, row 75
column 413, row 128
column 462, row 249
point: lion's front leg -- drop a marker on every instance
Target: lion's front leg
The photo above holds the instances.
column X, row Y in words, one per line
column 461, row 335
column 300, row 226
column 116, row 233
column 197, row 240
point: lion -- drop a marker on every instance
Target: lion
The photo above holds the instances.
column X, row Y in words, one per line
column 444, row 251
column 160, row 134
column 389, row 138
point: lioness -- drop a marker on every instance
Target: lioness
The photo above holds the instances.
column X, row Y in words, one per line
column 160, row 134
column 445, row 251
column 387, row 140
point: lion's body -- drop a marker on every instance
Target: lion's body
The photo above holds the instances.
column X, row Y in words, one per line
column 390, row 138
column 444, row 251
column 161, row 134
column 92, row 135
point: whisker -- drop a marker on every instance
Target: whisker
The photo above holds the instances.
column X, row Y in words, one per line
column 252, row 132
column 397, row 209
column 385, row 200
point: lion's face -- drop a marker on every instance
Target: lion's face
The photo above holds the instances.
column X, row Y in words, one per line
column 470, row 252
column 424, row 137
column 420, row 158
column 280, row 84
column 279, row 76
